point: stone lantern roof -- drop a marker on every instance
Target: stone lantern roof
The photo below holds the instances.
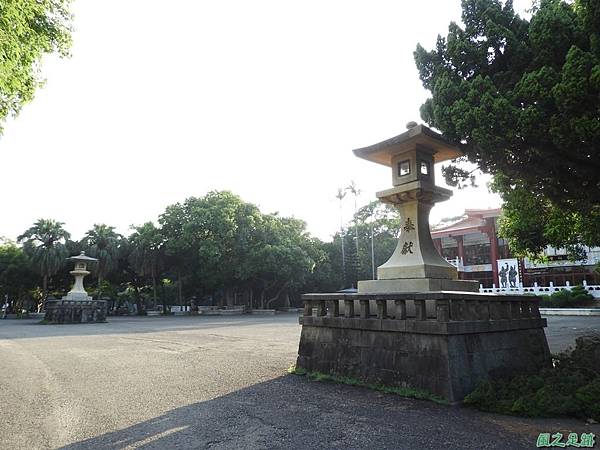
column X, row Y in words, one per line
column 82, row 257
column 416, row 135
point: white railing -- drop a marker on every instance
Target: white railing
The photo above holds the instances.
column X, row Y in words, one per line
column 457, row 262
column 593, row 289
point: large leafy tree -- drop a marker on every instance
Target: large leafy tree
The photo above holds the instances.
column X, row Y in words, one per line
column 530, row 221
column 284, row 259
column 183, row 233
column 16, row 276
column 223, row 245
column 522, row 99
column 28, row 30
column 146, row 255
column 44, row 243
column 102, row 242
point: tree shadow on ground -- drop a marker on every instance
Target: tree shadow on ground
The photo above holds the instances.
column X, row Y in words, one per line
column 294, row 412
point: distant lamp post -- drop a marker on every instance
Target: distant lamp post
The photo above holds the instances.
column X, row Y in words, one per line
column 355, row 191
column 373, row 218
column 341, row 193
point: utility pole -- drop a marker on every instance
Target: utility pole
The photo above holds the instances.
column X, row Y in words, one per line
column 340, row 196
column 355, row 191
column 372, row 250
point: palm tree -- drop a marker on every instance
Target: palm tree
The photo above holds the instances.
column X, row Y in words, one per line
column 372, row 211
column 44, row 243
column 102, row 242
column 146, row 255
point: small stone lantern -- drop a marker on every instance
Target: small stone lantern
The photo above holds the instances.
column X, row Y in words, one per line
column 79, row 272
column 416, row 265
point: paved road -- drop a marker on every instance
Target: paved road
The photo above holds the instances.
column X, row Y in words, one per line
column 563, row 330
column 218, row 382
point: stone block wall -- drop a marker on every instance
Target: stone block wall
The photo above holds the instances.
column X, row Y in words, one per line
column 446, row 357
column 72, row 311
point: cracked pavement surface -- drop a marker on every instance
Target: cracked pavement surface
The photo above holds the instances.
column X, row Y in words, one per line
column 221, row 382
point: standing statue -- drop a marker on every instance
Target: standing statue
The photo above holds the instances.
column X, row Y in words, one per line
column 512, row 277
column 502, row 275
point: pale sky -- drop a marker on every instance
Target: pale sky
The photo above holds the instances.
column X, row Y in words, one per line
column 161, row 101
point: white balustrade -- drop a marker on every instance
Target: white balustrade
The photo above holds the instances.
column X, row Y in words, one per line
column 593, row 289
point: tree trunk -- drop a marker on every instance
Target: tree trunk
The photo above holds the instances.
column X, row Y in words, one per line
column 229, row 296
column 271, row 300
column 44, row 292
column 251, row 297
column 164, row 300
column 286, row 300
column 138, row 301
column 179, row 288
column 153, row 292
column 99, row 286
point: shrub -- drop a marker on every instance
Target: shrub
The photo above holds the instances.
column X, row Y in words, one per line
column 570, row 388
column 577, row 296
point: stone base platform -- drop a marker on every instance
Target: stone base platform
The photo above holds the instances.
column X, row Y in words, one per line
column 416, row 285
column 75, row 311
column 471, row 338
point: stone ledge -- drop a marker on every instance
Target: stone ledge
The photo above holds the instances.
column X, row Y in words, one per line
column 423, row 326
column 570, row 311
column 75, row 311
column 434, row 295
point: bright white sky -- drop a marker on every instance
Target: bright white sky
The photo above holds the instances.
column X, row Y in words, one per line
column 165, row 100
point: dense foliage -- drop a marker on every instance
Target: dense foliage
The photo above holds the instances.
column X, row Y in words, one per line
column 215, row 249
column 571, row 387
column 16, row 277
column 28, row 30
column 522, row 99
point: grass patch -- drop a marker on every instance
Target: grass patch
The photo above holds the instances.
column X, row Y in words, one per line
column 570, row 388
column 351, row 381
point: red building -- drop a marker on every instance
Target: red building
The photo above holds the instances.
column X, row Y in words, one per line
column 471, row 243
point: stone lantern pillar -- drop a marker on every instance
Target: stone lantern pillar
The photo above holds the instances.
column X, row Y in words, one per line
column 415, row 265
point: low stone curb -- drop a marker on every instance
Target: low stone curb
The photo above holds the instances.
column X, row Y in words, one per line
column 263, row 312
column 289, row 310
column 222, row 312
column 570, row 311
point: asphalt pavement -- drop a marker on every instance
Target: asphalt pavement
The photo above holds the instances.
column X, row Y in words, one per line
column 221, row 382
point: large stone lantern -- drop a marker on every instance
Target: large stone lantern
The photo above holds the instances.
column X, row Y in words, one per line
column 416, row 265
column 77, row 306
column 418, row 325
column 79, row 272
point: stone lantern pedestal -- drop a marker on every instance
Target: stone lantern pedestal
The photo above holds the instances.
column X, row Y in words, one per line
column 77, row 306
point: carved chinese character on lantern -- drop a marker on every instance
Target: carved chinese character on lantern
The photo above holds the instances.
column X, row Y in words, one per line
column 407, row 248
column 409, row 225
